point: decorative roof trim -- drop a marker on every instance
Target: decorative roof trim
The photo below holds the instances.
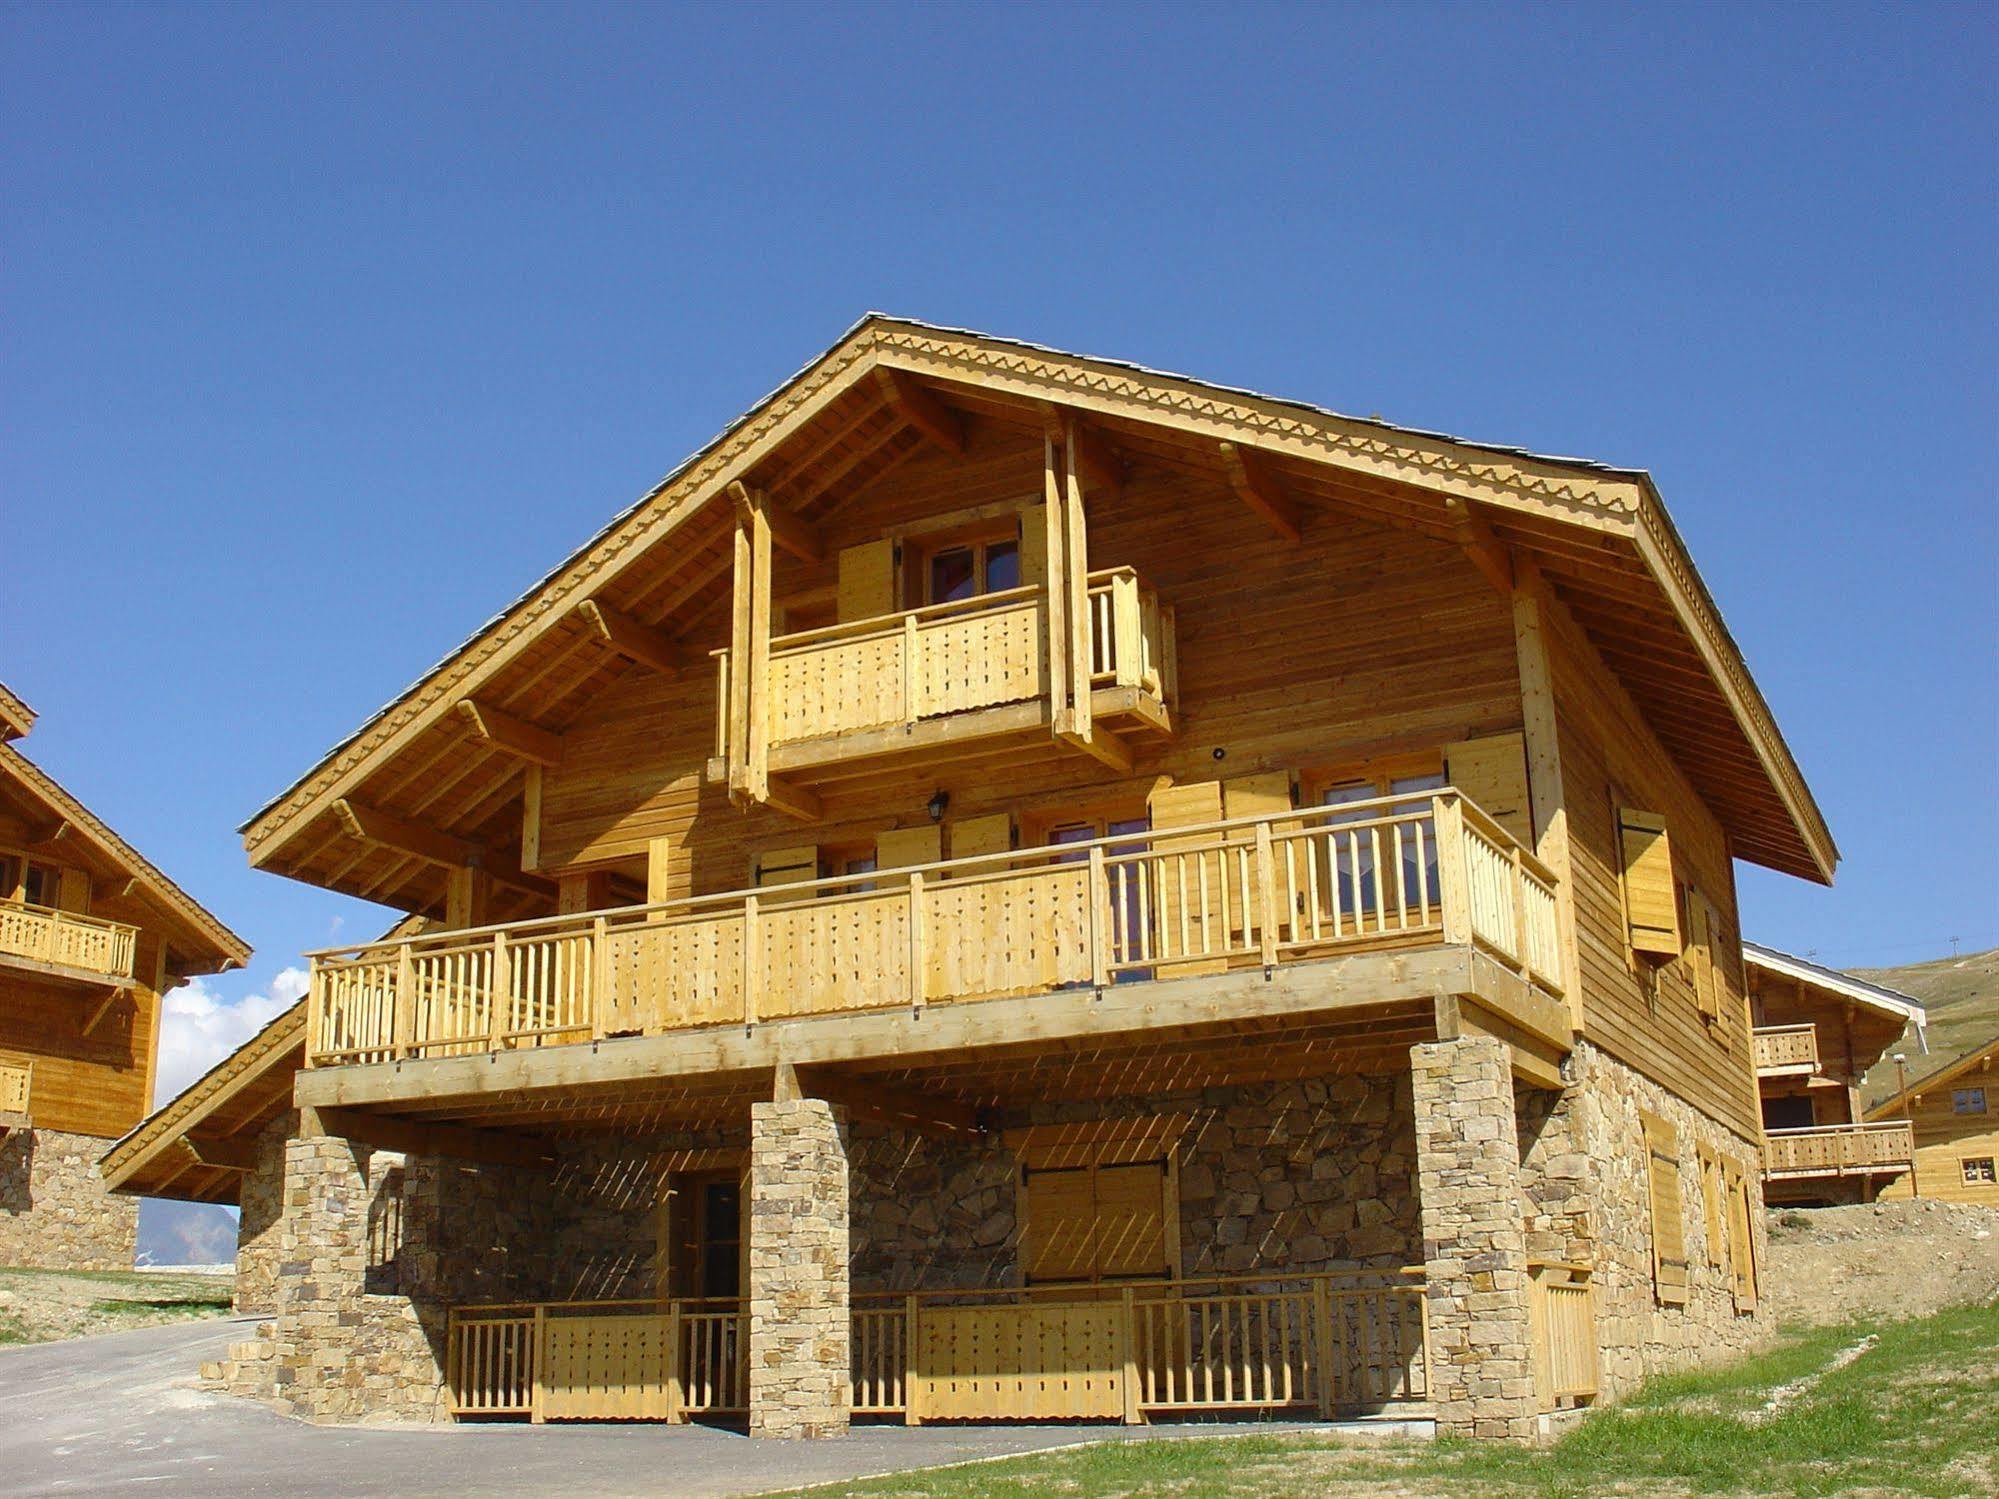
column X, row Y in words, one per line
column 231, row 949
column 1844, row 984
column 16, row 717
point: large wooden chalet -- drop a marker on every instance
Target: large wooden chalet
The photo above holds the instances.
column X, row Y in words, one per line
column 1018, row 886
column 92, row 937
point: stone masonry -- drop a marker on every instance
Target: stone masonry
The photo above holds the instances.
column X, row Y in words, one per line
column 1474, row 1243
column 798, row 1250
column 54, row 1211
column 259, row 1229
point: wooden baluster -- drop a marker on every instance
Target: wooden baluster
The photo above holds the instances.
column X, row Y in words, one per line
column 752, row 959
column 919, row 946
column 912, row 673
column 1322, row 1336
column 1099, row 896
column 1520, row 913
column 1129, row 1327
column 499, row 985
column 1266, row 885
column 404, row 1018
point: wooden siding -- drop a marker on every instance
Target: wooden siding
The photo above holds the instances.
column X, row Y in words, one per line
column 1359, row 639
column 92, row 1084
column 1642, row 1010
column 1945, row 1139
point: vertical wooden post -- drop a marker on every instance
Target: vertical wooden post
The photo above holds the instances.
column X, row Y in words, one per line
column 1127, row 632
column 1128, row 1382
column 912, row 1384
column 500, row 1009
column 315, row 1011
column 676, row 1398
column 1266, row 887
column 1099, row 898
column 538, row 1400
column 1520, row 914
column 405, row 1018
column 600, row 977
column 1322, row 1334
column 912, row 675
column 759, row 684
column 1058, row 587
column 739, row 665
column 1076, row 564
column 1540, row 732
column 531, row 817
column 919, row 943
column 752, row 958
column 1453, row 880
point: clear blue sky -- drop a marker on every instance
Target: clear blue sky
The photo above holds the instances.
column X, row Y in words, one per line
column 328, row 330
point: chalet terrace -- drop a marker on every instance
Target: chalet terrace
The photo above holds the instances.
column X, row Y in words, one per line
column 1015, row 886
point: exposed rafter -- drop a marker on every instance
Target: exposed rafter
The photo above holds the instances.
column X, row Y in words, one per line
column 1487, row 552
column 922, row 410
column 635, row 642
column 372, row 825
column 1260, row 489
column 884, row 1103
column 226, row 1155
column 511, row 735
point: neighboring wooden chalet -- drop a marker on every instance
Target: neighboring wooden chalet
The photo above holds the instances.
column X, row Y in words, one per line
column 1817, row 1031
column 1954, row 1115
column 1017, row 886
column 91, row 937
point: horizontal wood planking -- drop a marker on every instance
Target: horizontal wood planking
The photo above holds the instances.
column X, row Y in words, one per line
column 91, row 1084
column 1945, row 1139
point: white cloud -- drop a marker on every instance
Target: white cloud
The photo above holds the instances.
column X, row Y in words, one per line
column 199, row 1027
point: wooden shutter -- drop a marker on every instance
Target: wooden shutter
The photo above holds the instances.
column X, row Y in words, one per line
column 1034, row 546
column 1651, row 900
column 1492, row 771
column 1741, row 1239
column 1669, row 1232
column 973, row 836
column 1701, row 955
column 1130, row 1237
column 901, row 847
column 1086, row 1222
column 1059, row 1224
column 1714, row 1202
column 1177, row 924
column 73, row 891
column 867, row 580
column 787, row 866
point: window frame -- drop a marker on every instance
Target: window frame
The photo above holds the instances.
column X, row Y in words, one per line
column 1959, row 1097
column 980, row 541
column 14, row 887
column 1977, row 1171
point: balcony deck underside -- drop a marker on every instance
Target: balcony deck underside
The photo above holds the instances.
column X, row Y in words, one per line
column 1352, row 1012
column 66, row 973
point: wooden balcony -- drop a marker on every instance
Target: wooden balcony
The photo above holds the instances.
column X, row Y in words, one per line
column 1839, row 1150
column 1314, row 1344
column 933, row 678
column 1395, row 874
column 16, row 1079
column 1786, row 1050
column 62, row 944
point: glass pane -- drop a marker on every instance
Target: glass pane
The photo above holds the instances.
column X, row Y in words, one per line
column 1351, row 853
column 10, row 877
column 951, row 575
column 1002, row 566
column 1072, row 832
column 41, row 885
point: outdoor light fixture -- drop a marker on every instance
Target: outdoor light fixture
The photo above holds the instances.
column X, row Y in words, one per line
column 939, row 800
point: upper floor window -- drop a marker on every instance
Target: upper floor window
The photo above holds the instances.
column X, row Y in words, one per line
column 34, row 882
column 1409, row 861
column 1967, row 1101
column 963, row 570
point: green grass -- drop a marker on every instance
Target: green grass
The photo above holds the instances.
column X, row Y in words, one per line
column 42, row 1305
column 1918, row 1414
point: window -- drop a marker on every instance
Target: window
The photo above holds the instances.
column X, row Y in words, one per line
column 1411, row 871
column 1131, row 896
column 32, row 882
column 1703, row 955
column 967, row 569
column 1977, row 1171
column 1967, row 1101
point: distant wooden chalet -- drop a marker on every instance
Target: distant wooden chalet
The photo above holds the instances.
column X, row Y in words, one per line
column 1817, row 1031
column 1017, row 886
column 91, row 937
column 1953, row 1115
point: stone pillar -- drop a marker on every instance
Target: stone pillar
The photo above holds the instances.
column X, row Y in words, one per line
column 798, row 1301
column 1474, row 1244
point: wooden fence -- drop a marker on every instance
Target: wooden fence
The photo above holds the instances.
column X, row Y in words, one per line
column 1329, row 1342
column 1271, row 889
column 1839, row 1149
column 67, row 940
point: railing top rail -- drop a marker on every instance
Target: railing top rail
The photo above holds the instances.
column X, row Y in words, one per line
column 1783, row 1030
column 1876, row 1126
column 1345, row 815
column 74, row 918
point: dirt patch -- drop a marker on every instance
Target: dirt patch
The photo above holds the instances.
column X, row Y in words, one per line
column 43, row 1306
column 1890, row 1259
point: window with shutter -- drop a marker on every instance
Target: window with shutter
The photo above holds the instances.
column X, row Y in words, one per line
column 1741, row 1238
column 1714, row 1202
column 73, row 890
column 1669, row 1232
column 1651, row 899
column 1182, row 922
column 1492, row 772
column 1096, row 1221
column 777, row 867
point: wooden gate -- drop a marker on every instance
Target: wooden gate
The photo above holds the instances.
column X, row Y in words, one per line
column 1021, row 1363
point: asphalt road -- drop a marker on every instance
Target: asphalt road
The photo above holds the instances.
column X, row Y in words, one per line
column 121, row 1414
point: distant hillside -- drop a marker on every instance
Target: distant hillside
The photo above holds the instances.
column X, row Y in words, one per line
column 1962, row 998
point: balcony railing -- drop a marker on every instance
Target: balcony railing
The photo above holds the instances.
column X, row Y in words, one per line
column 15, row 1080
column 1840, row 1149
column 1284, row 887
column 1312, row 1342
column 1786, row 1050
column 897, row 670
column 63, row 939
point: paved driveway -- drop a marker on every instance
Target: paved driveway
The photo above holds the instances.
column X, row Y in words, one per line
column 120, row 1414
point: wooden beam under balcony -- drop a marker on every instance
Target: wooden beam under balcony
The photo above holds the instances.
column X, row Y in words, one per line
column 649, row 647
column 922, row 410
column 511, row 735
column 788, row 529
column 454, row 1140
column 884, row 1103
column 1258, row 487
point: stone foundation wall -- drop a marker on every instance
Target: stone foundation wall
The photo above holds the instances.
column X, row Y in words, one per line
column 54, row 1211
column 259, row 1228
column 800, row 1327
column 1586, row 1198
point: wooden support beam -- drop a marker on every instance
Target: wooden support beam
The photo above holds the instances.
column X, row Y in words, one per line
column 385, row 1132
column 225, row 1155
column 788, row 529
column 922, row 410
column 884, row 1103
column 1101, row 463
column 372, row 825
column 531, row 817
column 50, row 833
column 1259, row 488
column 511, row 735
column 644, row 644
column 1101, row 744
column 103, row 1008
column 1487, row 552
column 793, row 800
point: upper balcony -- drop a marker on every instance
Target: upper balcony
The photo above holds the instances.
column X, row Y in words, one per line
column 937, row 677
column 1839, row 1150
column 1384, row 878
column 65, row 945
column 1786, row 1050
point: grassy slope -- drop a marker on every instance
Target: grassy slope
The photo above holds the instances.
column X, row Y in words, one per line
column 1917, row 1413
column 42, row 1306
column 1962, row 998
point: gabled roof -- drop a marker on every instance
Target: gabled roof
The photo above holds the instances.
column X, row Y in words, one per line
column 200, row 942
column 228, row 1106
column 1981, row 1058
column 1888, row 1001
column 1599, row 536
column 16, row 717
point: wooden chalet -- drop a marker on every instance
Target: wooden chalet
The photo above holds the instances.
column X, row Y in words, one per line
column 1953, row 1119
column 1013, row 885
column 1816, row 1032
column 92, row 937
